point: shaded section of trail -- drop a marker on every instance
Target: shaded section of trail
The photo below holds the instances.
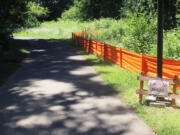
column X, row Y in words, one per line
column 56, row 92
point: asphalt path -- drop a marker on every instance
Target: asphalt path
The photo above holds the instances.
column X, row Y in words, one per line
column 56, row 92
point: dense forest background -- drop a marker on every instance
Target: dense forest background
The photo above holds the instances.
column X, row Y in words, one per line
column 30, row 13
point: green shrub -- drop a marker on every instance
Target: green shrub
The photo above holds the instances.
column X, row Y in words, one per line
column 178, row 19
column 171, row 44
column 103, row 23
column 73, row 13
column 109, row 30
column 35, row 11
column 32, row 21
column 5, row 35
column 140, row 34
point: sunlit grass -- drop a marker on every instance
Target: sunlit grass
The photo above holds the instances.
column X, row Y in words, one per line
column 55, row 30
column 164, row 121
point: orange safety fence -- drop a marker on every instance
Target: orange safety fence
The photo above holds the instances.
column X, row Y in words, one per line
column 129, row 60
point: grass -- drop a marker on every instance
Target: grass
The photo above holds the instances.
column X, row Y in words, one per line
column 164, row 121
column 120, row 33
column 52, row 30
column 11, row 60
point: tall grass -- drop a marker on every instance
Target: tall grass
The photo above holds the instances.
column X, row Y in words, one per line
column 135, row 33
column 172, row 44
column 53, row 29
column 130, row 33
column 139, row 36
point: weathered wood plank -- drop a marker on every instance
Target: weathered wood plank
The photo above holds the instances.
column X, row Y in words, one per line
column 145, row 92
column 147, row 78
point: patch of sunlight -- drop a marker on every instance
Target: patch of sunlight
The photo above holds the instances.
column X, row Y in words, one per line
column 41, row 88
column 76, row 58
column 70, row 124
column 102, row 103
column 24, row 50
column 82, row 93
column 97, row 79
column 34, row 120
column 56, row 108
column 38, row 50
column 12, row 107
column 84, row 70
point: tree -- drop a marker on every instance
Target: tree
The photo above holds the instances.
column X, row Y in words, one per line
column 91, row 9
column 14, row 14
column 56, row 7
column 170, row 14
column 149, row 8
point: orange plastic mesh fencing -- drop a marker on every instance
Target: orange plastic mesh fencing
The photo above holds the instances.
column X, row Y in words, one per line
column 131, row 61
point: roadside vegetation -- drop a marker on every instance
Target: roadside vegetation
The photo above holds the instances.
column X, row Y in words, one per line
column 121, row 33
column 14, row 15
column 11, row 60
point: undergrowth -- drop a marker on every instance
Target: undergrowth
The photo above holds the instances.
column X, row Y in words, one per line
column 11, row 60
column 136, row 34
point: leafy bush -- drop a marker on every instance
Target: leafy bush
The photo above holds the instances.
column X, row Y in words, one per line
column 92, row 9
column 140, row 34
column 103, row 23
column 171, row 44
column 35, row 11
column 32, row 21
column 108, row 30
column 73, row 13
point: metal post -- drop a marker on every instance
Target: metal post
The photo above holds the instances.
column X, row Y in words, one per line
column 160, row 38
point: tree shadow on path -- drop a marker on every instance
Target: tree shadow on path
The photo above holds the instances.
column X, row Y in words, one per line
column 56, row 92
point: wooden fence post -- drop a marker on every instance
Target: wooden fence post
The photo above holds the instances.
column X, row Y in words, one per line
column 78, row 40
column 120, row 57
column 87, row 45
column 104, row 57
column 90, row 45
column 102, row 50
column 141, row 88
column 96, row 48
column 84, row 41
column 174, row 88
column 75, row 39
column 143, row 68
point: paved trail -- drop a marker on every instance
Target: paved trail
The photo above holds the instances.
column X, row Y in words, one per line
column 56, row 92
